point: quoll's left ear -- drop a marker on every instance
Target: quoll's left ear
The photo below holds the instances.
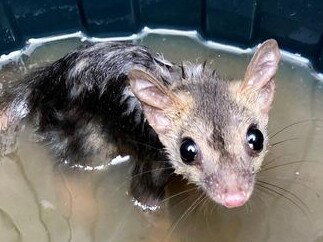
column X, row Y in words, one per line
column 258, row 81
column 155, row 98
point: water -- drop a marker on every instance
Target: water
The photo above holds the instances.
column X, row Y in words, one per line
column 40, row 201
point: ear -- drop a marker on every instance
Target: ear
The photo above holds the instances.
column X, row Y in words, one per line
column 154, row 97
column 259, row 77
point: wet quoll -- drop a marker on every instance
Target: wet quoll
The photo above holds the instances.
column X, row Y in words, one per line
column 182, row 119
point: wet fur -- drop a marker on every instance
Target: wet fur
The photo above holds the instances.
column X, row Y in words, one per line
column 81, row 102
column 84, row 101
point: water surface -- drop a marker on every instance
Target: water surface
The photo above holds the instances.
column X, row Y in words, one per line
column 43, row 201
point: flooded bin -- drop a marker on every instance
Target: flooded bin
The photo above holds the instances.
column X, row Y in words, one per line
column 42, row 200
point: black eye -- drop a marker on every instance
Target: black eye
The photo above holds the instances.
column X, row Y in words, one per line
column 188, row 150
column 255, row 139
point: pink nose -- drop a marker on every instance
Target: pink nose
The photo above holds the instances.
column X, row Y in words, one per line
column 235, row 199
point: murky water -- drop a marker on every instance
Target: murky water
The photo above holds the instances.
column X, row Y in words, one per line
column 40, row 201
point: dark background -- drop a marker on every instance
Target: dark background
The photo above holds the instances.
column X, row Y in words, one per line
column 296, row 24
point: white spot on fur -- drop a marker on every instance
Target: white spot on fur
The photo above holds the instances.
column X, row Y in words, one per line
column 20, row 109
column 78, row 67
column 94, row 139
column 132, row 104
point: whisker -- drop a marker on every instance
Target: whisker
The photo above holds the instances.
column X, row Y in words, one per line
column 203, row 207
column 261, row 189
column 127, row 179
column 247, row 206
column 293, row 124
column 213, row 207
column 149, row 171
column 182, row 200
column 208, row 227
column 251, row 204
column 283, row 141
column 273, row 160
column 185, row 214
column 206, row 200
column 178, row 194
column 295, row 182
column 271, row 191
column 286, row 191
column 290, row 163
column 145, row 144
column 265, row 184
column 257, row 195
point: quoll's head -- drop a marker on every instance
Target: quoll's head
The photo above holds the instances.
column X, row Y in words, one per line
column 213, row 130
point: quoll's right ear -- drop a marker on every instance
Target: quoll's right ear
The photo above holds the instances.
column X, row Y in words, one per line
column 258, row 83
column 155, row 98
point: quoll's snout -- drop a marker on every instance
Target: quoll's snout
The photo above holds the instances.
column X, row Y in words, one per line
column 230, row 189
column 232, row 199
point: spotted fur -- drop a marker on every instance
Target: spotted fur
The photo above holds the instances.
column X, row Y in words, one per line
column 124, row 94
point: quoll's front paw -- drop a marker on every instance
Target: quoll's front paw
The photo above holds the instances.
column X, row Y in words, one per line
column 145, row 197
column 148, row 184
column 147, row 205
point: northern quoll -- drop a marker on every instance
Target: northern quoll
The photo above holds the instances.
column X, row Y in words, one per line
column 173, row 118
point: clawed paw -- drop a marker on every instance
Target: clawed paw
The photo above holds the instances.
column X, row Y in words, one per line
column 148, row 205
